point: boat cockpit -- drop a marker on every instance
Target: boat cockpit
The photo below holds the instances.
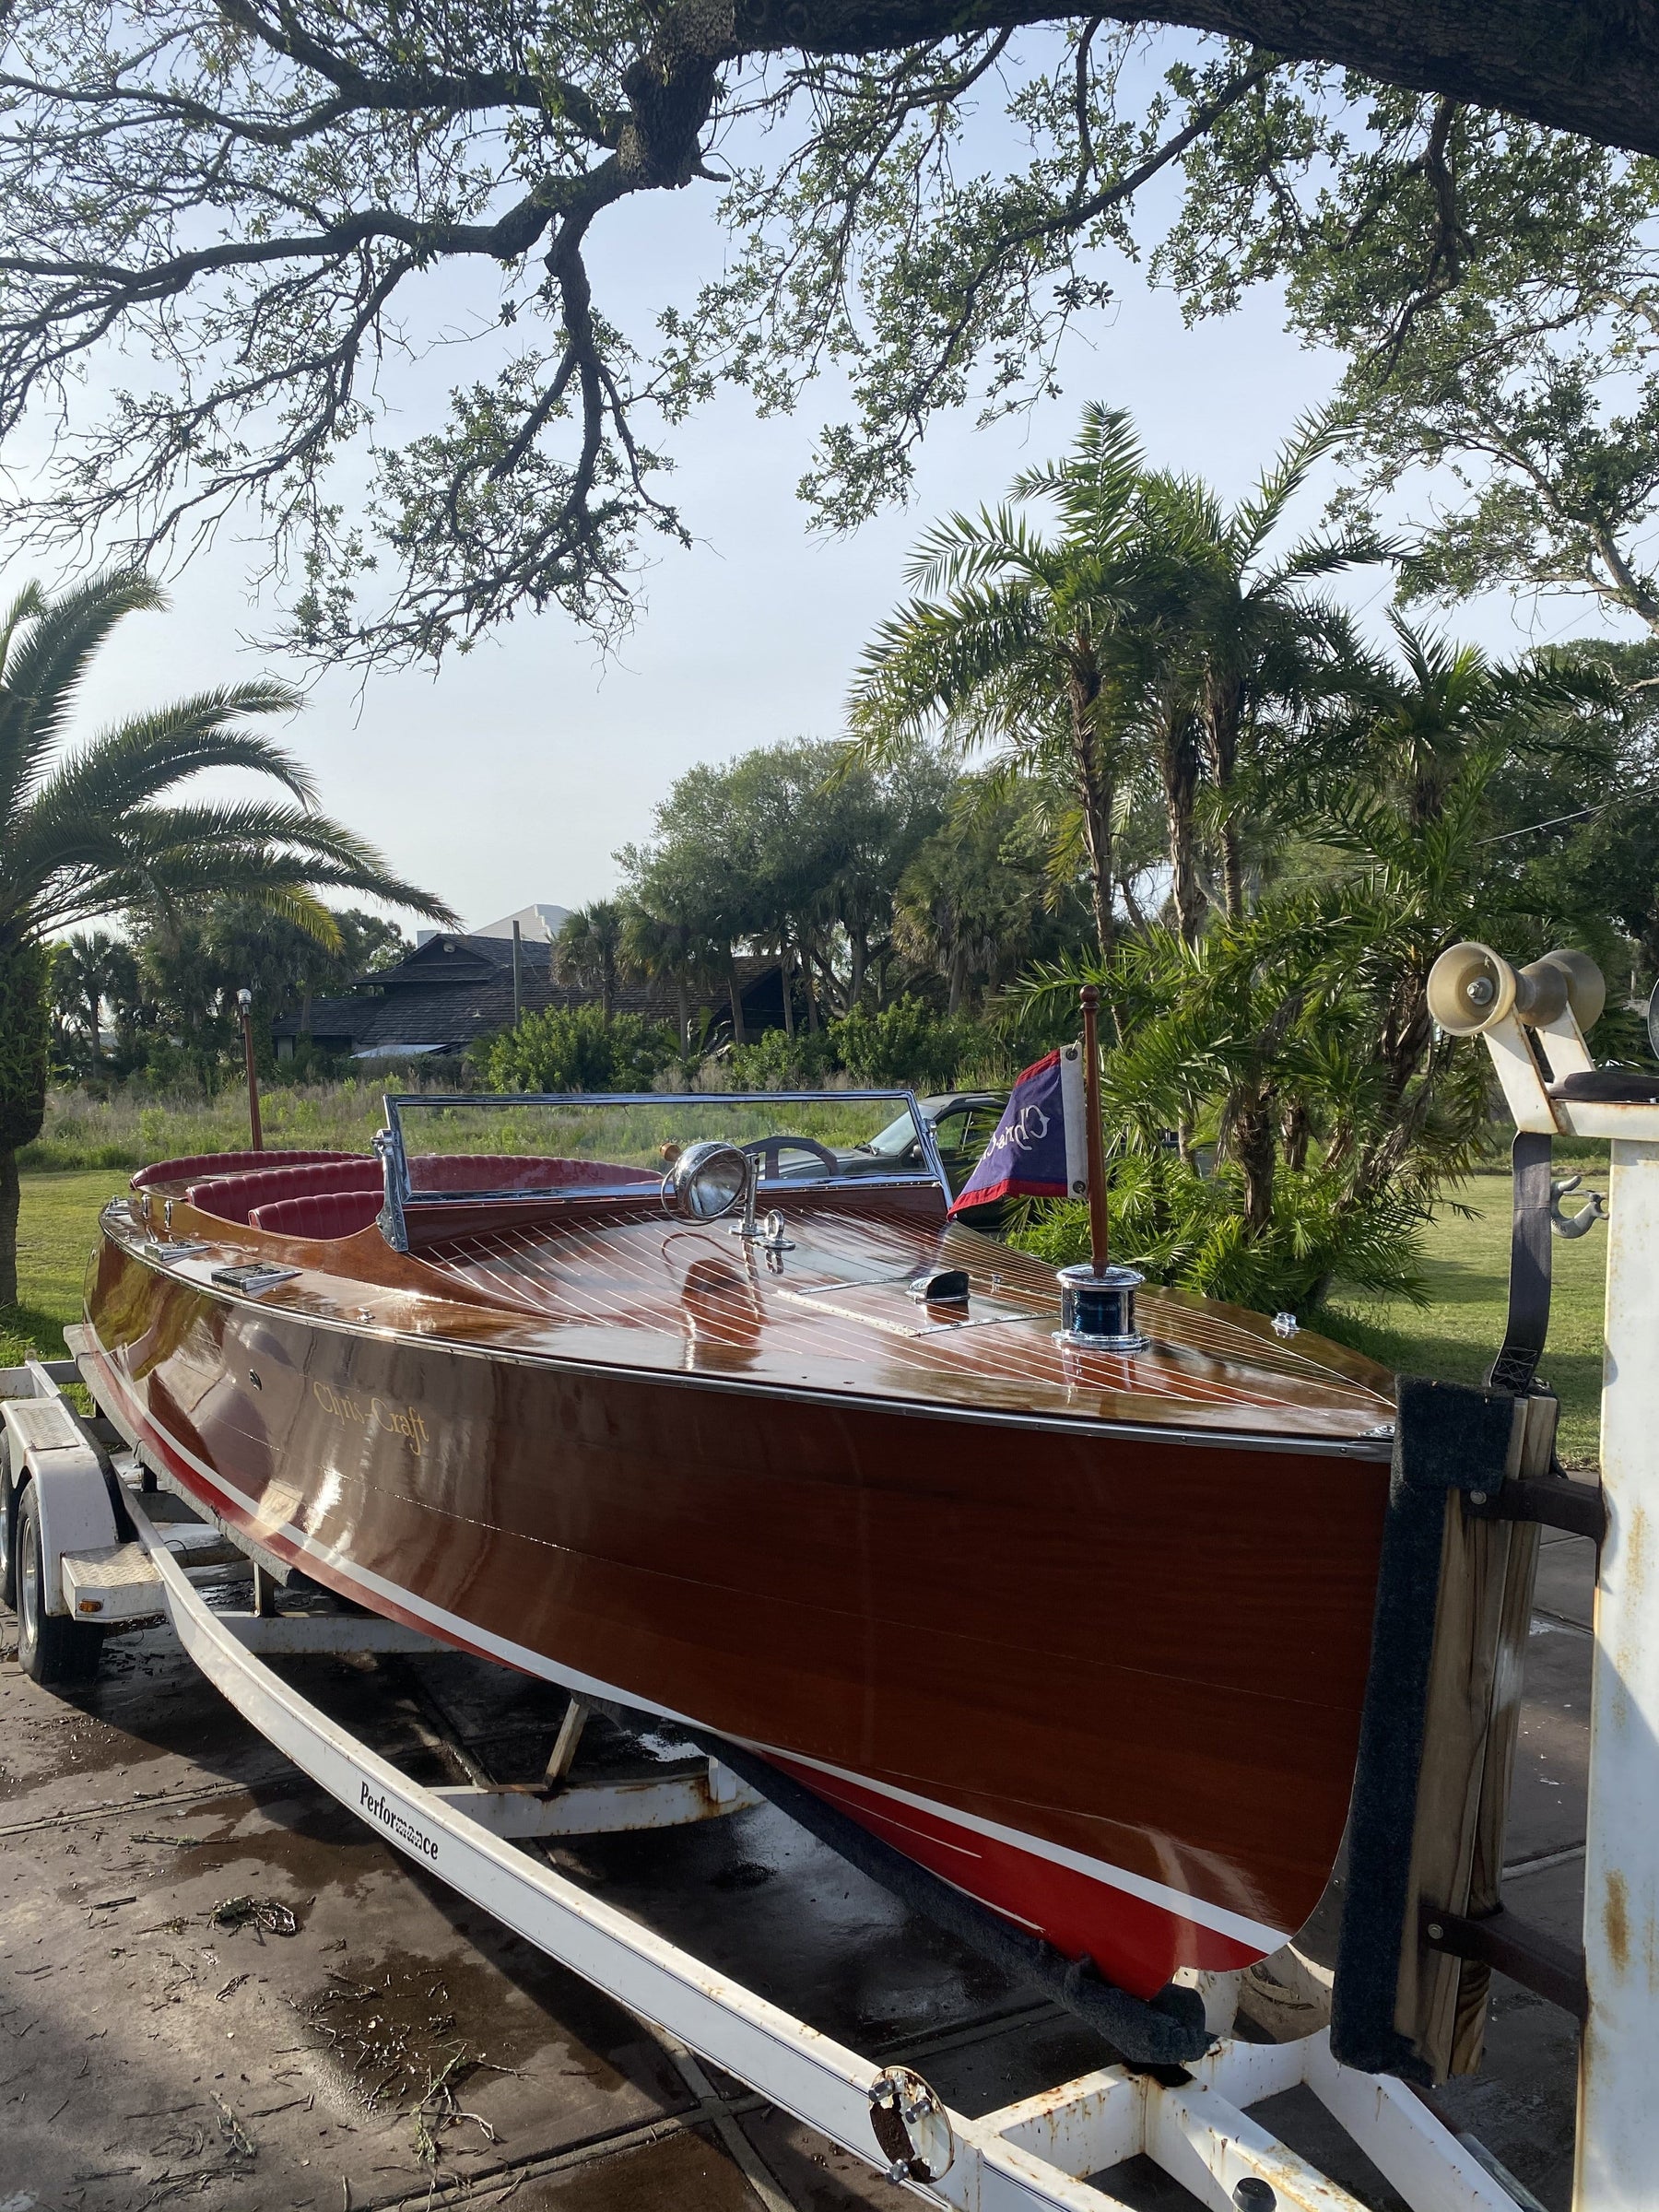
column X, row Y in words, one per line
column 445, row 1166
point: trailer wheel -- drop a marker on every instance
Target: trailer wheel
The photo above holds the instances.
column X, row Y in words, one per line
column 8, row 1528
column 51, row 1649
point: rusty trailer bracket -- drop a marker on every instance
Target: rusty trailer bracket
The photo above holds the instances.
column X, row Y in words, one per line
column 1556, row 1501
column 1551, row 1970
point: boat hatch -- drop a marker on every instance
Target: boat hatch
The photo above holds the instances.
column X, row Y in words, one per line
column 890, row 1306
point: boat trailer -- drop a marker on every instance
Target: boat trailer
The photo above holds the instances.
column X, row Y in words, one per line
column 72, row 1569
column 1028, row 2156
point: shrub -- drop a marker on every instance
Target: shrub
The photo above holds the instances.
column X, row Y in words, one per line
column 574, row 1048
column 779, row 1061
column 906, row 1043
column 1188, row 1231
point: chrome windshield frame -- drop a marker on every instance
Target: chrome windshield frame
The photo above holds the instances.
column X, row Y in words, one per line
column 388, row 1143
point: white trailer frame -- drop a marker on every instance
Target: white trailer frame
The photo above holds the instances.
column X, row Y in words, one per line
column 1616, row 2160
column 1033, row 2156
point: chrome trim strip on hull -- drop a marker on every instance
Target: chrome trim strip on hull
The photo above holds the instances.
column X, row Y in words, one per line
column 485, row 1644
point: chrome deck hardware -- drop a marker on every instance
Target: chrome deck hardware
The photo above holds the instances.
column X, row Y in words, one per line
column 1097, row 1312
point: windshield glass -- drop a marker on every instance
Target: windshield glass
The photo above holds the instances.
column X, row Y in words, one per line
column 898, row 1138
column 520, row 1146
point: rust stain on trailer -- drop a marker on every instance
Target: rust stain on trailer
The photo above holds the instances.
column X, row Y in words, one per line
column 1635, row 1559
column 1616, row 1924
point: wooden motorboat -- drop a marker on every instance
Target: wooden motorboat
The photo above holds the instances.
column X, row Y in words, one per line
column 824, row 1483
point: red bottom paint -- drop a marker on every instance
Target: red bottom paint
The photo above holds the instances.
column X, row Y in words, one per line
column 1135, row 1945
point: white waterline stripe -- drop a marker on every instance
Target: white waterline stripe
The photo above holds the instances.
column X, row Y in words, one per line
column 1216, row 1917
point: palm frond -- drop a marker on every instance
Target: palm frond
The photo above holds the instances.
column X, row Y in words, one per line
column 46, row 664
column 30, row 602
column 89, row 836
column 1256, row 519
column 135, row 763
column 965, row 548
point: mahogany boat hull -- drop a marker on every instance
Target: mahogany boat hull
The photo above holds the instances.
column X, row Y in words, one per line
column 1052, row 1660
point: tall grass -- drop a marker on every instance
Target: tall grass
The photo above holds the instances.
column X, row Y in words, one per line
column 125, row 1131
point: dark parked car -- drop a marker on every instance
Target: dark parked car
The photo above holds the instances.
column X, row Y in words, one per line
column 962, row 1122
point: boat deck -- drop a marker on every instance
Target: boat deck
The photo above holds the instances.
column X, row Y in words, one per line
column 620, row 1283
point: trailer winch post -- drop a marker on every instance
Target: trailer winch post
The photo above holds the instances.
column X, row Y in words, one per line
column 1552, row 1087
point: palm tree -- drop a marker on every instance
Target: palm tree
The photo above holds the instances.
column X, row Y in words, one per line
column 1010, row 631
column 971, row 904
column 1247, row 640
column 670, row 948
column 86, row 971
column 588, row 951
column 1297, row 1034
column 1409, row 802
column 94, row 831
column 1170, row 724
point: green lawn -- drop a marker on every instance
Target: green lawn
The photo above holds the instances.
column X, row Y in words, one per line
column 1467, row 1269
column 1468, row 1266
column 55, row 1236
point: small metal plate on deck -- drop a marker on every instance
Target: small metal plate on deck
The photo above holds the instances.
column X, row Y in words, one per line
column 181, row 1247
column 251, row 1277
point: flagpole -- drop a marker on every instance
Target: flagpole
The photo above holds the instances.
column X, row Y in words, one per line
column 245, row 1000
column 1091, row 1106
column 1097, row 1302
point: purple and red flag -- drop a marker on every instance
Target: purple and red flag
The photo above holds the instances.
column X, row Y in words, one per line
column 1037, row 1149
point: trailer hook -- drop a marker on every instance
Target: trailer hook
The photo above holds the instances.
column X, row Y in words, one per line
column 1586, row 1220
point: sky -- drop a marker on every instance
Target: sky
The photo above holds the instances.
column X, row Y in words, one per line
column 515, row 772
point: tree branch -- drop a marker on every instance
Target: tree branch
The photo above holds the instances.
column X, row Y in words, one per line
column 1585, row 65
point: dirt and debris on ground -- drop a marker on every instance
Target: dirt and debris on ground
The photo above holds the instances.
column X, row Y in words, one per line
column 219, row 1989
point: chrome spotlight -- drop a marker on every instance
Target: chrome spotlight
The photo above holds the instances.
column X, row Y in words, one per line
column 710, row 1180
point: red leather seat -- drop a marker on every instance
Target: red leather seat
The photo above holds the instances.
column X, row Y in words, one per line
column 233, row 1197
column 434, row 1171
column 318, row 1214
column 225, row 1163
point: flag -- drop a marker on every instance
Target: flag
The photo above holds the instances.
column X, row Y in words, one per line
column 1037, row 1149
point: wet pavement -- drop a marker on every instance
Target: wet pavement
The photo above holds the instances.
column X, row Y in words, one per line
column 217, row 1987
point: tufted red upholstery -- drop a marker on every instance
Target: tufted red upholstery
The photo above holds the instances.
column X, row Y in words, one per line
column 514, row 1171
column 318, row 1214
column 233, row 1197
column 290, row 1196
column 225, row 1163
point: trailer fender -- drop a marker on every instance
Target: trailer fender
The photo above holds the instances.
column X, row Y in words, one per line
column 48, row 1447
